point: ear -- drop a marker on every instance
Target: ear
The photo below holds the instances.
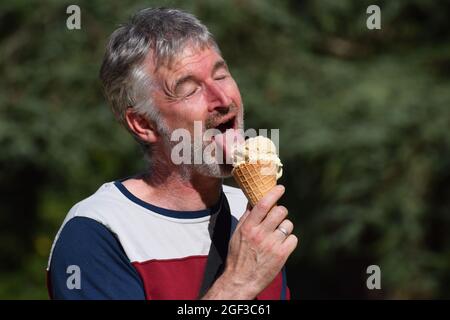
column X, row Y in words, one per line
column 141, row 126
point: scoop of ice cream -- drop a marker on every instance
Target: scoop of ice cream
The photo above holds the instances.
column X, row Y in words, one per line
column 257, row 149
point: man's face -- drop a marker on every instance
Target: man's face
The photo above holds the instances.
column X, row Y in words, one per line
column 198, row 86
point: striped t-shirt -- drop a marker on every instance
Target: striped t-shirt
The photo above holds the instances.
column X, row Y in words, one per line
column 113, row 245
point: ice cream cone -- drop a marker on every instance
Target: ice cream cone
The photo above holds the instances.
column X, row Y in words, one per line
column 255, row 179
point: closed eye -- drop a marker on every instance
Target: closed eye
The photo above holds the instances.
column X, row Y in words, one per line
column 192, row 92
column 221, row 77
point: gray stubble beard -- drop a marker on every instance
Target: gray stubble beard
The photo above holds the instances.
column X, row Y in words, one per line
column 212, row 168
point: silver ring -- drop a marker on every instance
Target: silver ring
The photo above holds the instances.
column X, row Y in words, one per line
column 283, row 231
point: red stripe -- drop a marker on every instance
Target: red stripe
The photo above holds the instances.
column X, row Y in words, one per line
column 172, row 279
column 181, row 279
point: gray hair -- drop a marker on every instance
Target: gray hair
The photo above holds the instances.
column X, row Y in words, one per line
column 161, row 32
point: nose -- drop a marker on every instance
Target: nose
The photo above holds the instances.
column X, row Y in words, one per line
column 217, row 97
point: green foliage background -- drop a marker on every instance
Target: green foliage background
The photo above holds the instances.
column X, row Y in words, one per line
column 363, row 115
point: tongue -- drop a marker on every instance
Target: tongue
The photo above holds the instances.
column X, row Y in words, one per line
column 226, row 141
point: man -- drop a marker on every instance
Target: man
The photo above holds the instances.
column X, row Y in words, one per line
column 174, row 232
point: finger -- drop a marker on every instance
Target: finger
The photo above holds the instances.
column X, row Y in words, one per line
column 265, row 204
column 281, row 232
column 289, row 244
column 273, row 219
column 284, row 229
column 284, row 248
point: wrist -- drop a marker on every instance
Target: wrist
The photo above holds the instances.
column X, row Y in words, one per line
column 227, row 287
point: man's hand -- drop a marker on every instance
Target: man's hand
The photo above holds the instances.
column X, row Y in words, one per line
column 258, row 250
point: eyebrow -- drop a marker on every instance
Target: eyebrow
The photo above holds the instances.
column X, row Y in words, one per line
column 218, row 65
column 189, row 77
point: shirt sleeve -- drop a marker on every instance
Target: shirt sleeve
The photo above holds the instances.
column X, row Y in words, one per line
column 88, row 262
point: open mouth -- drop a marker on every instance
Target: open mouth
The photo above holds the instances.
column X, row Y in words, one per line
column 230, row 124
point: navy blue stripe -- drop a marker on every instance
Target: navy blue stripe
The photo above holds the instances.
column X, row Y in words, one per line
column 168, row 212
column 283, row 285
column 88, row 244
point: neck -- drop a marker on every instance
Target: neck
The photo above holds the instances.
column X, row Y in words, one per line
column 175, row 187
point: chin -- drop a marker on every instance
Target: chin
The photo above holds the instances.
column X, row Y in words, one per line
column 225, row 170
column 216, row 170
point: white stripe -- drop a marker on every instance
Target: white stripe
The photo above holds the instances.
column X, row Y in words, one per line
column 147, row 235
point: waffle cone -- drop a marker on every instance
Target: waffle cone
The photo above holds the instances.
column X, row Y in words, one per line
column 255, row 179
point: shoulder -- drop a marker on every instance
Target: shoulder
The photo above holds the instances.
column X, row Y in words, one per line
column 106, row 198
column 107, row 205
column 93, row 257
column 82, row 234
column 89, row 217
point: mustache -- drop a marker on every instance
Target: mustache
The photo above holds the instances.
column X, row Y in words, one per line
column 215, row 119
